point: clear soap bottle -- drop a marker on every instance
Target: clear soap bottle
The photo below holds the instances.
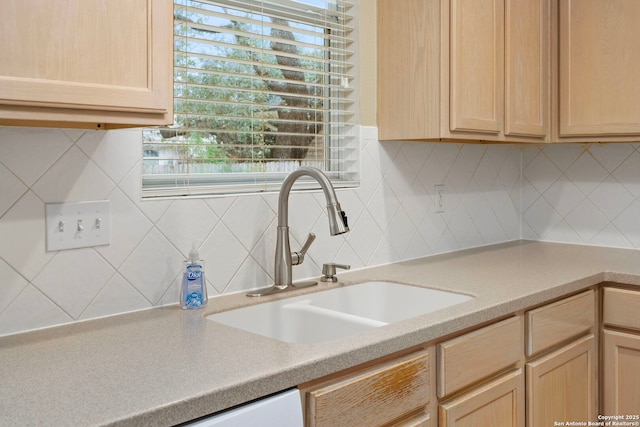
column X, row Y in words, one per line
column 193, row 292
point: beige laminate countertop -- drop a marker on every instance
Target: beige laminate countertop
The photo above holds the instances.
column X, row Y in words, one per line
column 165, row 366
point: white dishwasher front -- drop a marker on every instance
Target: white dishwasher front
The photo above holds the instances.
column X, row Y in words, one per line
column 279, row 410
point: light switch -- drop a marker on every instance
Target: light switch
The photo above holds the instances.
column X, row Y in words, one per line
column 77, row 224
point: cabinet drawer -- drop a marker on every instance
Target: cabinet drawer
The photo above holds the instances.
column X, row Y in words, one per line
column 420, row 420
column 477, row 355
column 621, row 307
column 373, row 397
column 560, row 321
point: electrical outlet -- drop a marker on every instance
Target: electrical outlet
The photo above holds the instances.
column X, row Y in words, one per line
column 77, row 225
column 439, row 198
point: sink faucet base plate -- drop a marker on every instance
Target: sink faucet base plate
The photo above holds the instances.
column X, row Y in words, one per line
column 272, row 290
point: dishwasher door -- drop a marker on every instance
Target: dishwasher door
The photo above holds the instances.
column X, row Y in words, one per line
column 280, row 410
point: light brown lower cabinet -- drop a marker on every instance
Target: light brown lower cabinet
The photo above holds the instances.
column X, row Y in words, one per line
column 621, row 373
column 479, row 355
column 561, row 385
column 395, row 392
column 480, row 380
column 498, row 403
column 621, row 352
column 489, row 377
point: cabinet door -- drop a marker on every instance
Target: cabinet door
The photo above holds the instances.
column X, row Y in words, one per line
column 477, row 65
column 599, row 58
column 561, row 385
column 408, row 78
column 621, row 373
column 527, row 67
column 82, row 56
column 499, row 403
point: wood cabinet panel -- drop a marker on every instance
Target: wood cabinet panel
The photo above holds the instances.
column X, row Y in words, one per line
column 373, row 397
column 86, row 61
column 499, row 403
column 472, row 357
column 621, row 360
column 562, row 384
column 621, row 308
column 555, row 323
column 408, row 82
column 599, row 92
column 476, row 64
column 527, row 30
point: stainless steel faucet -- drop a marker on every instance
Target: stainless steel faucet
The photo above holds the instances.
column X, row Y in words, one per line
column 285, row 259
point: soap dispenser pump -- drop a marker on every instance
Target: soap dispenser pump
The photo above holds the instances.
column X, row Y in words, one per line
column 193, row 292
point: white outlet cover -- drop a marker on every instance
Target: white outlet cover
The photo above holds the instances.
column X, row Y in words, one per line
column 73, row 225
column 439, row 198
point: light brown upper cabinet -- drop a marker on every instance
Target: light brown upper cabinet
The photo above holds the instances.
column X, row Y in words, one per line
column 598, row 60
column 474, row 70
column 86, row 63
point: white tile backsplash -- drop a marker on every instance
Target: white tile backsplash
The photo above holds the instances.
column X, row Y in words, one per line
column 31, row 309
column 73, row 177
column 153, row 266
column 582, row 193
column 11, row 189
column 118, row 292
column 23, row 236
column 572, row 193
column 30, row 152
column 12, row 284
column 72, row 279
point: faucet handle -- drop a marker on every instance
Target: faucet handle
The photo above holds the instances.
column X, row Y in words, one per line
column 329, row 271
column 297, row 258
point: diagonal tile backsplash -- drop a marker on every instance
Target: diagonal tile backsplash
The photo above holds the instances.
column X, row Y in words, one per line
column 392, row 217
column 577, row 193
column 582, row 193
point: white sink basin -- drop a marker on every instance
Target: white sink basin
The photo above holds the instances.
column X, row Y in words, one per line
column 338, row 312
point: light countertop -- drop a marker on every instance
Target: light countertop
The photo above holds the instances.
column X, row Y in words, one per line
column 165, row 366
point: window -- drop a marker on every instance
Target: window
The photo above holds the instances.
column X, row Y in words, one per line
column 261, row 87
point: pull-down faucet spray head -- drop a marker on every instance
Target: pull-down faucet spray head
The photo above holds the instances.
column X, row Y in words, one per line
column 337, row 219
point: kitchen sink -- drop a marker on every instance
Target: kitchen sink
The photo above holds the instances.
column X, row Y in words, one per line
column 338, row 312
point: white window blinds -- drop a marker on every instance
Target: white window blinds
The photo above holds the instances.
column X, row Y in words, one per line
column 261, row 87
